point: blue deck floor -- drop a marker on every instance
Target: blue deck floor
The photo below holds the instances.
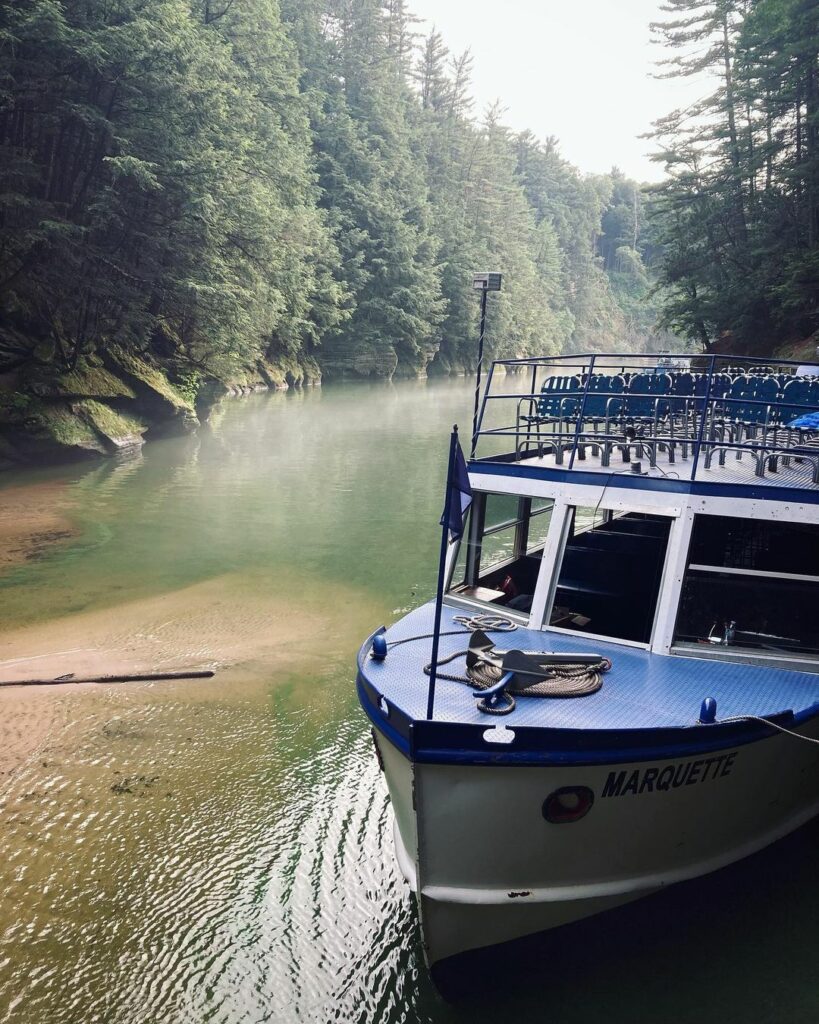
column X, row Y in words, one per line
column 642, row 690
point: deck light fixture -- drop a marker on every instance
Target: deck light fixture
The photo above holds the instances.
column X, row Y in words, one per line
column 489, row 281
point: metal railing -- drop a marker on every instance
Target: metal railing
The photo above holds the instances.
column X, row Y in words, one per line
column 687, row 413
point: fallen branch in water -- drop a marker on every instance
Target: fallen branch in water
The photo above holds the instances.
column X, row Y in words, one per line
column 140, row 677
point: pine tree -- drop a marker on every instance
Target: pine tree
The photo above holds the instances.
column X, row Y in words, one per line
column 139, row 207
column 374, row 189
column 738, row 215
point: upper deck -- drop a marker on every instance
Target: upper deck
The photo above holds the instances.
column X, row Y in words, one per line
column 707, row 422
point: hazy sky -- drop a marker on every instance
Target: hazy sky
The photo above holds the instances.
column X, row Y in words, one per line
column 577, row 69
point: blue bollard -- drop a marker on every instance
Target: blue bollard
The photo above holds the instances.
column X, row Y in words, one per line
column 708, row 711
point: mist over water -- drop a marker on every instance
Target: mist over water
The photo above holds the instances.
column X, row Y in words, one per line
column 222, row 850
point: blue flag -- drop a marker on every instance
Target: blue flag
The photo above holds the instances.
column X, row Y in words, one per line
column 460, row 495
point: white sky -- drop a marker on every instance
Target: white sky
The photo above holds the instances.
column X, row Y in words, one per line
column 577, row 69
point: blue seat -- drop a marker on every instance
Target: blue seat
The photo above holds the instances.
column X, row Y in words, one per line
column 559, row 398
column 767, row 391
column 757, row 389
column 721, row 384
column 643, row 391
column 660, row 384
column 682, row 387
column 798, row 396
column 599, row 398
column 638, row 404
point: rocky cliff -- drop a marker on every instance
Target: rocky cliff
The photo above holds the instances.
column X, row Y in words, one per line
column 111, row 403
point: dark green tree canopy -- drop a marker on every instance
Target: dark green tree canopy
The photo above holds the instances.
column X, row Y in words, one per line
column 738, row 216
column 216, row 184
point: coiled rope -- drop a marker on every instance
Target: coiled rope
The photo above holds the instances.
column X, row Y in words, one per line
column 488, row 623
column 471, row 623
column 569, row 680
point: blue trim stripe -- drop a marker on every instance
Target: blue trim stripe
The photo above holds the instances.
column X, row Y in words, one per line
column 716, row 490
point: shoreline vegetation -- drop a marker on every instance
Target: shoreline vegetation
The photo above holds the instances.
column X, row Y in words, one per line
column 196, row 200
column 268, row 193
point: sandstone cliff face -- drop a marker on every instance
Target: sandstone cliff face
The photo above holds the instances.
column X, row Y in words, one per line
column 113, row 403
column 360, row 361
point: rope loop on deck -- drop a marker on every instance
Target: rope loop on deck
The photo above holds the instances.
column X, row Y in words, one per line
column 489, row 623
column 569, row 680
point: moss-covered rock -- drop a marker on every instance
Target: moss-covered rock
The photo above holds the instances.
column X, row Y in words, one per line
column 86, row 381
column 62, row 425
column 113, row 399
column 118, row 431
column 275, row 377
column 358, row 362
column 290, row 371
column 162, row 404
column 50, row 432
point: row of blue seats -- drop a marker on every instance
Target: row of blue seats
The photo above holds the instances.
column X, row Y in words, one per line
column 746, row 398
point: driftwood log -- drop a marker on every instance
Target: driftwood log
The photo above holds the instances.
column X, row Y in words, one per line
column 138, row 677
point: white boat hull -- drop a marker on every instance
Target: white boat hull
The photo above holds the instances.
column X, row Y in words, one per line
column 486, row 867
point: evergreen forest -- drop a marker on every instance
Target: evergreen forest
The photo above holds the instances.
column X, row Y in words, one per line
column 303, row 181
column 272, row 191
column 737, row 214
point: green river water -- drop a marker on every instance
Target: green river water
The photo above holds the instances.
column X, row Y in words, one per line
column 222, row 850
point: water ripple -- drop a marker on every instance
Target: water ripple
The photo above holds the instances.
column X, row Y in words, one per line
column 224, row 853
column 250, row 878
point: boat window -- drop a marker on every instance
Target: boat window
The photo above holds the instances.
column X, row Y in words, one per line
column 539, row 521
column 610, row 574
column 751, row 584
column 499, row 558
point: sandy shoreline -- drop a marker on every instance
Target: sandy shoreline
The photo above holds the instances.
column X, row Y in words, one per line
column 31, row 522
column 227, row 621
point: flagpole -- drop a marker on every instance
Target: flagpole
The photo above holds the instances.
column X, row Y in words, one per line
column 439, row 599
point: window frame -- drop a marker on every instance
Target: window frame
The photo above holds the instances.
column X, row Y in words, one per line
column 748, row 655
column 476, row 532
column 562, row 538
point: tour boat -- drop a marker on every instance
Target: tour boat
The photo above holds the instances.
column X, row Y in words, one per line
column 646, row 540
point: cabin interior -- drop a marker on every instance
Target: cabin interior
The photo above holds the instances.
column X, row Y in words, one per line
column 749, row 584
